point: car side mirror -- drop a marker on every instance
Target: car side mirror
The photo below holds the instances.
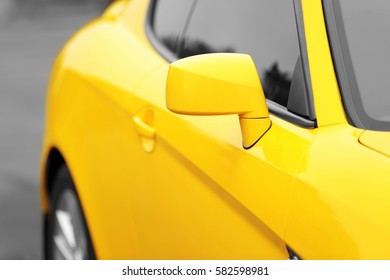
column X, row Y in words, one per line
column 219, row 84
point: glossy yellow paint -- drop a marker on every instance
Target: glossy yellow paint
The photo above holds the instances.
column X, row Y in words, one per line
column 216, row 84
column 159, row 185
column 219, row 84
column 327, row 99
column 376, row 140
column 348, row 206
column 341, row 193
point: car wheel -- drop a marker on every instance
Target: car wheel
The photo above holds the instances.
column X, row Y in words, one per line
column 67, row 235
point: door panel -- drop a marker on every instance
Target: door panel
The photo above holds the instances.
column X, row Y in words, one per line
column 207, row 197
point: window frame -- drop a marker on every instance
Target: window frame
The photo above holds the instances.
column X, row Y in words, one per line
column 345, row 73
column 273, row 107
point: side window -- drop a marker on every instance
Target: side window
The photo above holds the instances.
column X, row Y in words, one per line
column 170, row 17
column 265, row 29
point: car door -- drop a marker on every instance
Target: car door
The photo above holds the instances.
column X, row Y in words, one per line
column 108, row 59
column 203, row 195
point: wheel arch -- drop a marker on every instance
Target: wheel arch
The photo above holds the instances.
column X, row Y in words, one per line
column 54, row 160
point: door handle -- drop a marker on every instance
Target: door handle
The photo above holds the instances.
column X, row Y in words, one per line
column 144, row 126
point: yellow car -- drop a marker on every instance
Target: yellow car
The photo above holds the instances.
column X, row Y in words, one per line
column 162, row 143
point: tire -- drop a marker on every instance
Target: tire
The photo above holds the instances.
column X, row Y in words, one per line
column 67, row 233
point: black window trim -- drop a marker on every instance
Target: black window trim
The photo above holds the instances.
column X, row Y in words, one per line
column 273, row 107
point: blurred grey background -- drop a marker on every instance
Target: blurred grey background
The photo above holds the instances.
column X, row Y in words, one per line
column 31, row 34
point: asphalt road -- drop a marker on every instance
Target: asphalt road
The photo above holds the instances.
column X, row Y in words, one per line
column 31, row 33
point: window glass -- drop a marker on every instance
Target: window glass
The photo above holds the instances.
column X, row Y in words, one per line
column 265, row 29
column 362, row 28
column 169, row 20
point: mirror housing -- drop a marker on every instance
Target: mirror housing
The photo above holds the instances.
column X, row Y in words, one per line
column 219, row 84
